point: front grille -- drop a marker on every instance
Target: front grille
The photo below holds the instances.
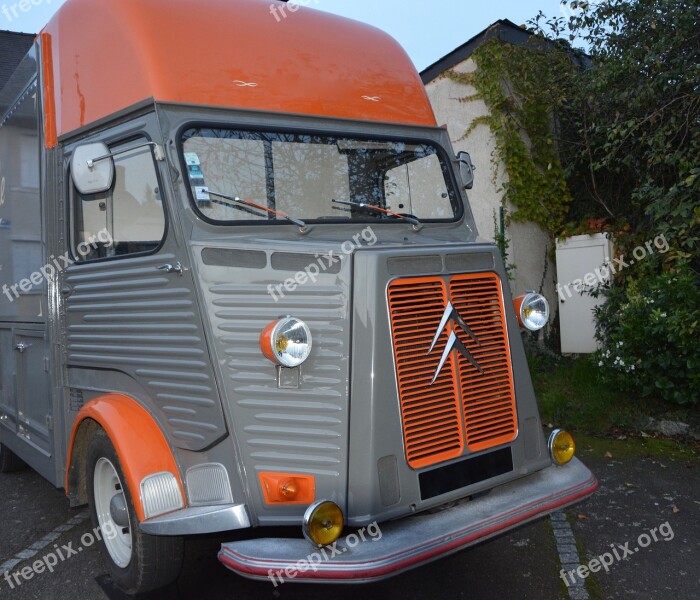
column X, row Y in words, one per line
column 467, row 406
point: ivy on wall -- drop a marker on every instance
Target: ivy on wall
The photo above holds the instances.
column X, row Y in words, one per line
column 520, row 86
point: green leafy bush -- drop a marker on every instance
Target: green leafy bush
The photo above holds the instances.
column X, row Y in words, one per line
column 650, row 335
column 629, row 143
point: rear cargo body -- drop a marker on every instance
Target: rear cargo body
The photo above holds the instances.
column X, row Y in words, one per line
column 261, row 295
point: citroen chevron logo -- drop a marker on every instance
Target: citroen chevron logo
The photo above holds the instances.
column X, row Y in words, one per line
column 453, row 342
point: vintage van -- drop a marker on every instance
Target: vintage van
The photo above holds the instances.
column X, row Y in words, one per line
column 242, row 288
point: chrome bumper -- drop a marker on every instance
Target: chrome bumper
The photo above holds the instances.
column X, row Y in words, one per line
column 203, row 519
column 416, row 540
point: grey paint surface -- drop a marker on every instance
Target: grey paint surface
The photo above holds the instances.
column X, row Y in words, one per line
column 345, row 416
column 301, row 430
column 376, row 419
column 186, row 346
column 125, row 315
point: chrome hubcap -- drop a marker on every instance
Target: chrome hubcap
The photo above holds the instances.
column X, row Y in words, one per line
column 112, row 513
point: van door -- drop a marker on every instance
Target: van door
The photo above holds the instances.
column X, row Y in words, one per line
column 131, row 320
column 26, row 410
column 34, row 418
column 8, row 384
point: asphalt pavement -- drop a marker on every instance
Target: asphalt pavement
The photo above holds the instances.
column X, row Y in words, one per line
column 643, row 500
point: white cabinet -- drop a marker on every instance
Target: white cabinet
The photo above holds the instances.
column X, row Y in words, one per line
column 581, row 267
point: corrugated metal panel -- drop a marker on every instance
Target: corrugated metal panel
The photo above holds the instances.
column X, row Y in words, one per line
column 129, row 317
column 284, row 430
column 298, row 428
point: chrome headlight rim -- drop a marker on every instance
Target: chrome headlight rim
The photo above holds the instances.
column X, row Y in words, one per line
column 270, row 338
column 526, row 301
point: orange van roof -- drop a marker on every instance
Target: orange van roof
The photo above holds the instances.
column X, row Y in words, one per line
column 110, row 54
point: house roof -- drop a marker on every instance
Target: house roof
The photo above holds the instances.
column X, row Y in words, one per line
column 13, row 47
column 503, row 29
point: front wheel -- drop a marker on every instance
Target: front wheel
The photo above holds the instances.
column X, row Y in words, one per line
column 137, row 562
column 9, row 461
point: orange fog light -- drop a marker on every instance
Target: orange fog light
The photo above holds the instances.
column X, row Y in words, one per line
column 285, row 488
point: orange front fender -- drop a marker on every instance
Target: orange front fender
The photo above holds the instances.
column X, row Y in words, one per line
column 138, row 440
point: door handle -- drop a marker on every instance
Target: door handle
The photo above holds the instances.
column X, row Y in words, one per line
column 21, row 347
column 176, row 268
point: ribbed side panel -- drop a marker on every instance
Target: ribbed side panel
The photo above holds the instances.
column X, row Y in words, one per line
column 130, row 317
column 286, row 430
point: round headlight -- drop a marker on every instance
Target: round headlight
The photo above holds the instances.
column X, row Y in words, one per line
column 561, row 446
column 532, row 310
column 323, row 522
column 286, row 342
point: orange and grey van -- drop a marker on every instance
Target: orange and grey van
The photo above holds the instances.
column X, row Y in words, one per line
column 242, row 289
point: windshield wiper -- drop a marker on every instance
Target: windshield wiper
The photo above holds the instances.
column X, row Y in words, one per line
column 303, row 227
column 369, row 209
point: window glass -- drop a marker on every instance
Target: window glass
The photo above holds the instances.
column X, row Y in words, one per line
column 416, row 186
column 21, row 248
column 127, row 219
column 301, row 175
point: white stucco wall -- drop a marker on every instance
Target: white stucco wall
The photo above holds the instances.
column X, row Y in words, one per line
column 528, row 243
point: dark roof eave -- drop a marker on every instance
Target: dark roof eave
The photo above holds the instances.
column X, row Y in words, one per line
column 503, row 29
column 13, row 48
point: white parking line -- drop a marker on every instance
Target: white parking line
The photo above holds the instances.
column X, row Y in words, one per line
column 39, row 545
column 568, row 554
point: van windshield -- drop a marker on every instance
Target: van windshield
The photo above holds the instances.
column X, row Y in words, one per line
column 315, row 177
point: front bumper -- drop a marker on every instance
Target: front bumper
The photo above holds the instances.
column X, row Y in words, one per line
column 197, row 520
column 414, row 541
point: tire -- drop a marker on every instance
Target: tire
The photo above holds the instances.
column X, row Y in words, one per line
column 136, row 562
column 9, row 461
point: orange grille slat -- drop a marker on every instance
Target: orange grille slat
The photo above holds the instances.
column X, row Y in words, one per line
column 464, row 408
column 416, row 307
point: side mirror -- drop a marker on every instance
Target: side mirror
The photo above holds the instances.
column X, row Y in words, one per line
column 92, row 168
column 466, row 169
